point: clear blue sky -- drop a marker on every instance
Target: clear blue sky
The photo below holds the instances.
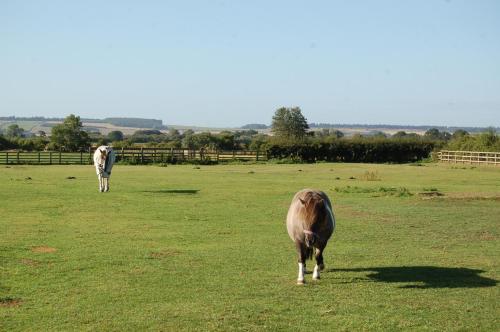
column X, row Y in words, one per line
column 228, row 63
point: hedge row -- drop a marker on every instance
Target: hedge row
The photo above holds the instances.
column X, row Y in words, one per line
column 367, row 151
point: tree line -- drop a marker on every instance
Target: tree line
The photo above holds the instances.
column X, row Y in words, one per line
column 290, row 138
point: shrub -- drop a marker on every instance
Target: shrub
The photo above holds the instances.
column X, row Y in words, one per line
column 378, row 150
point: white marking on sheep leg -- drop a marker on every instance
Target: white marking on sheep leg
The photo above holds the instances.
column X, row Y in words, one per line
column 106, row 181
column 101, row 187
column 316, row 272
column 300, row 278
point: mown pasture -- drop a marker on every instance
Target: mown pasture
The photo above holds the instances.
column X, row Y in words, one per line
column 205, row 248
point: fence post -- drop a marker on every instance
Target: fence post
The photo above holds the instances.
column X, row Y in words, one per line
column 90, row 154
column 17, row 156
column 50, row 158
column 142, row 155
column 60, row 157
column 257, row 156
column 6, row 158
column 39, row 158
column 81, row 157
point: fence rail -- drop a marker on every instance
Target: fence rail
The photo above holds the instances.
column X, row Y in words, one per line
column 469, row 157
column 133, row 155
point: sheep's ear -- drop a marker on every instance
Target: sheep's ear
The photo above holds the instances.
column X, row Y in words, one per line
column 302, row 201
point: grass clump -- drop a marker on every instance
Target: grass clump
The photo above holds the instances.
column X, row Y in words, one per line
column 371, row 176
column 398, row 192
column 354, row 190
column 380, row 191
column 430, row 192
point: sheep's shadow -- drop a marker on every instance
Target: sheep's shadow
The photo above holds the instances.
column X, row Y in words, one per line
column 173, row 191
column 423, row 277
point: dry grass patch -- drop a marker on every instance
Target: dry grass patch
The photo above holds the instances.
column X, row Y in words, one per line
column 163, row 254
column 471, row 196
column 486, row 236
column 43, row 249
column 371, row 176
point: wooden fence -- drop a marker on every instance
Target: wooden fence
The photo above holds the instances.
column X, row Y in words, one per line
column 469, row 157
column 132, row 155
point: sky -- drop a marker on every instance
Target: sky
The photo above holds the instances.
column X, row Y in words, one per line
column 230, row 63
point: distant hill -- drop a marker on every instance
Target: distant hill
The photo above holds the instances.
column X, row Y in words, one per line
column 382, row 127
column 25, row 118
column 129, row 125
column 136, row 123
column 119, row 122
column 126, row 125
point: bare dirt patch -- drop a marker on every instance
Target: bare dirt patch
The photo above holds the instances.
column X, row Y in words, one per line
column 43, row 249
column 30, row 262
column 9, row 302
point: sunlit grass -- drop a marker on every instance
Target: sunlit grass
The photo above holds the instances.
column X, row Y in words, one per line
column 205, row 248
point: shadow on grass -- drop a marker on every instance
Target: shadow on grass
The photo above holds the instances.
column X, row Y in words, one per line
column 424, row 277
column 173, row 191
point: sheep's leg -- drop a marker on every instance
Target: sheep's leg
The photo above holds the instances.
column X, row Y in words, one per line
column 301, row 251
column 319, row 263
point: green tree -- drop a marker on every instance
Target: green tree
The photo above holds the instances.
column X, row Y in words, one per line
column 289, row 123
column 115, row 136
column 69, row 135
column 459, row 133
column 259, row 141
column 336, row 133
column 14, row 131
column 6, row 144
column 174, row 135
column 226, row 140
column 400, row 134
column 434, row 133
column 488, row 139
column 204, row 140
column 378, row 134
column 188, row 140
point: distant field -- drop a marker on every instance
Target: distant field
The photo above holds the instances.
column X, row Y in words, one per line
column 105, row 128
column 27, row 125
column 205, row 248
column 35, row 126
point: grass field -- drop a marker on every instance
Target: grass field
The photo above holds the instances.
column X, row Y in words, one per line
column 205, row 248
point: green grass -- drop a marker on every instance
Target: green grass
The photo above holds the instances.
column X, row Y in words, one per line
column 205, row 248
